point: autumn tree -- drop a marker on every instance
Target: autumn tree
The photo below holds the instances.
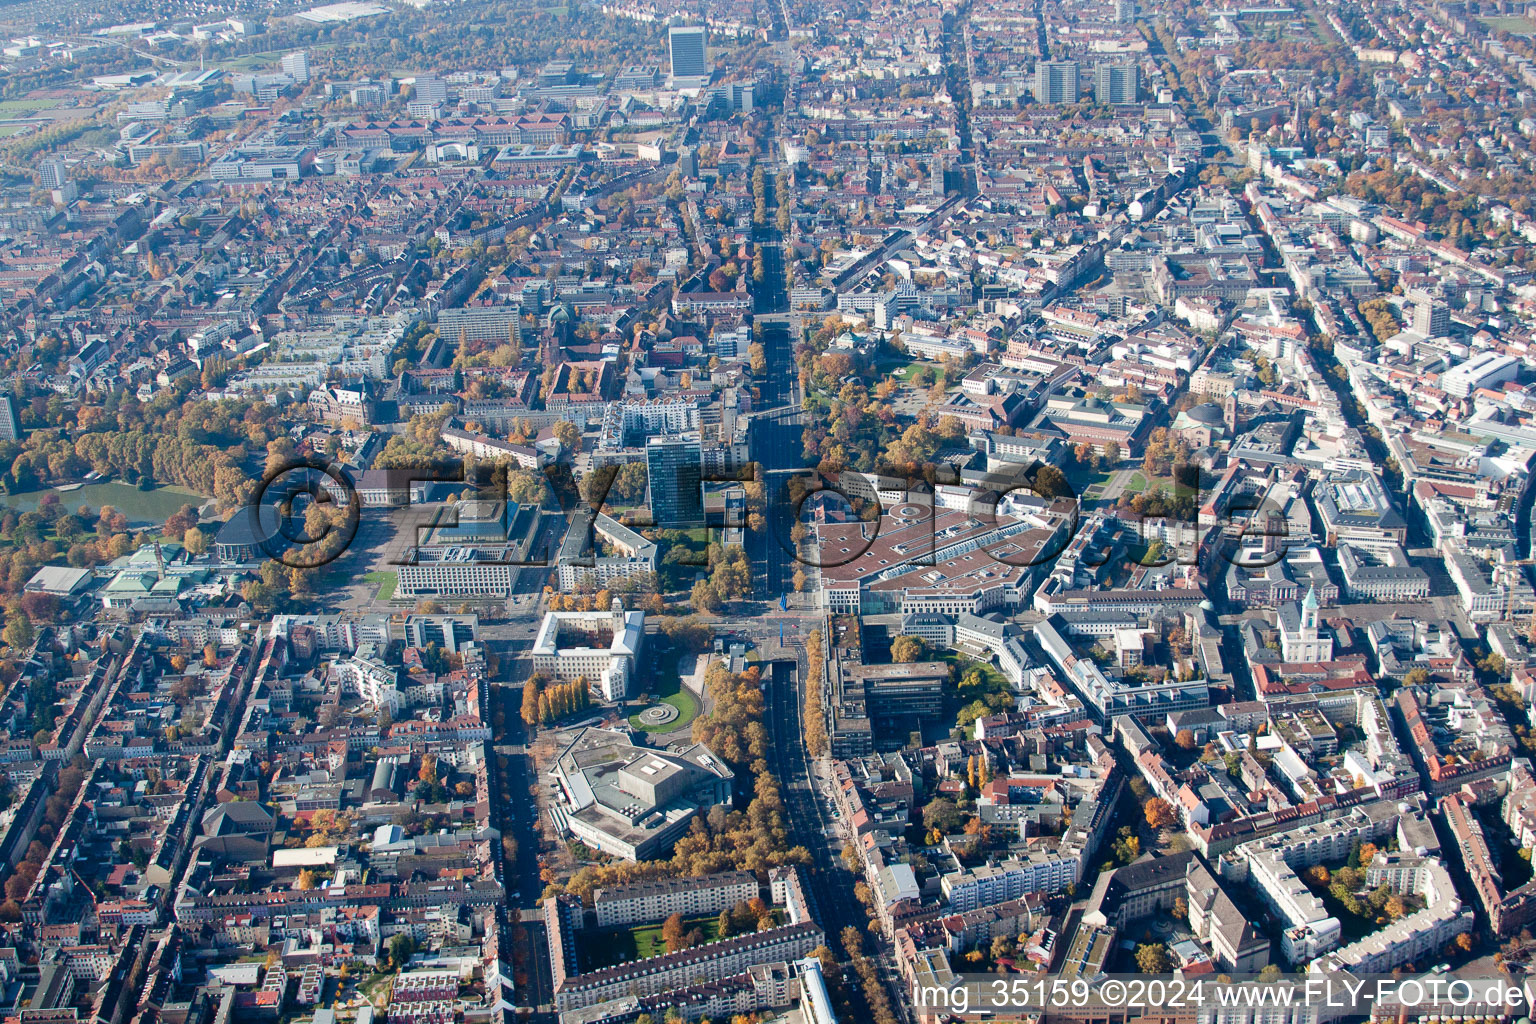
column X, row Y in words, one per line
column 1381, row 318
column 704, row 597
column 530, row 710
column 674, row 933
column 1152, row 958
column 1051, row 482
column 817, row 743
column 905, row 649
column 1160, row 813
column 195, row 541
column 18, row 631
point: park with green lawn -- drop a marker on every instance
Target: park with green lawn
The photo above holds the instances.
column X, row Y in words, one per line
column 386, row 582
column 667, row 689
column 621, row 945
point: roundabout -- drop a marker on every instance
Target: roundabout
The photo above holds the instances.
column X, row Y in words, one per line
column 668, row 706
column 657, row 715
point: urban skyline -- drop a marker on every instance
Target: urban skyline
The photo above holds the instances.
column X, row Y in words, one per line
column 784, row 513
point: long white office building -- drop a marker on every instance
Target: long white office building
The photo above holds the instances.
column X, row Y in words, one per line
column 1484, row 370
column 479, row 570
column 663, row 897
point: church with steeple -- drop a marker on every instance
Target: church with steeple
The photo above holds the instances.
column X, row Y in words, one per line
column 1300, row 635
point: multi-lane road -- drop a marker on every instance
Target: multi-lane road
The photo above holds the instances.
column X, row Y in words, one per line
column 805, row 784
column 515, row 813
column 811, row 819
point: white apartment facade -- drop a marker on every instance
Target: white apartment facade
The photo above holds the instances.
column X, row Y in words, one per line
column 655, row 901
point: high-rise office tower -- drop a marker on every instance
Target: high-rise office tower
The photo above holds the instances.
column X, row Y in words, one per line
column 1431, row 319
column 690, row 59
column 675, row 479
column 10, row 423
column 431, row 90
column 1056, row 81
column 53, row 173
column 296, row 65
column 1116, row 83
column 1125, row 11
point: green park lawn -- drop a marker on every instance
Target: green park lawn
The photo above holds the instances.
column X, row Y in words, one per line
column 669, row 689
column 996, row 681
column 622, row 945
column 1515, row 25
column 20, row 108
column 387, row 582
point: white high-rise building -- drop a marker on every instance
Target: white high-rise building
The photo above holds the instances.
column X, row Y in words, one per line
column 296, row 65
column 430, row 90
column 689, row 53
column 1115, row 84
column 1431, row 319
column 1056, row 81
column 53, row 173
